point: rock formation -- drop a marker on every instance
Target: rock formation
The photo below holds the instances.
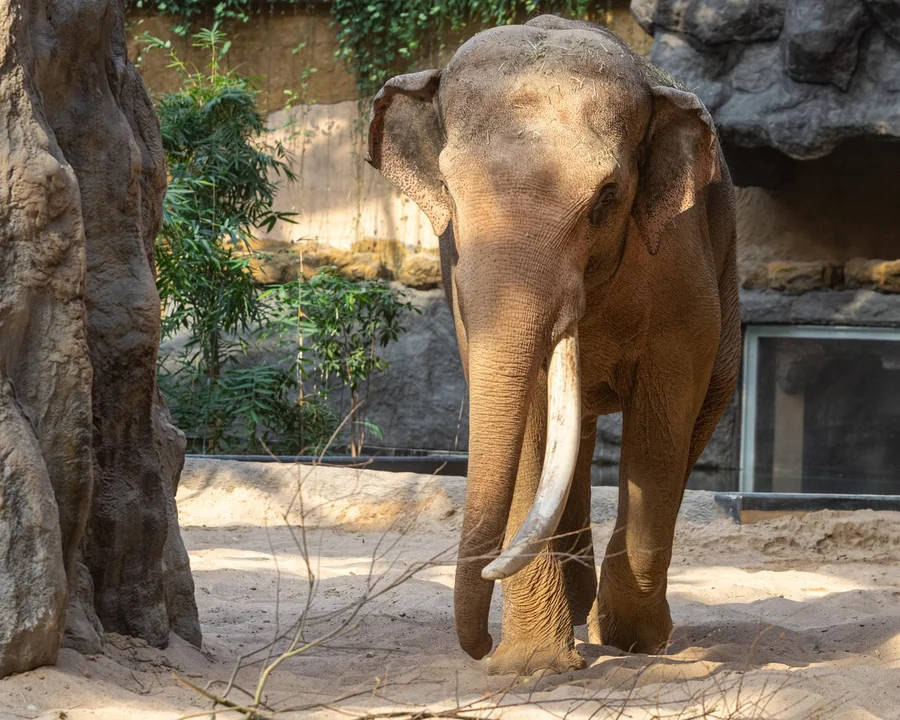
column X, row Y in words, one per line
column 278, row 262
column 88, row 457
column 783, row 78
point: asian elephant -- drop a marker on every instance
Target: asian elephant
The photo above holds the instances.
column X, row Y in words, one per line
column 587, row 238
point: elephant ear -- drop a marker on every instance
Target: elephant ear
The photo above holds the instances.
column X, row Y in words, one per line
column 679, row 164
column 405, row 141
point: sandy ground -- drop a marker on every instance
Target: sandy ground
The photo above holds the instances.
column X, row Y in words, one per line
column 788, row 618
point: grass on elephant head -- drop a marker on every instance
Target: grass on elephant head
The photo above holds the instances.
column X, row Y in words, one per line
column 634, row 687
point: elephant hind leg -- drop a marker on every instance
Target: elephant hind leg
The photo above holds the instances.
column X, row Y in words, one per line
column 724, row 376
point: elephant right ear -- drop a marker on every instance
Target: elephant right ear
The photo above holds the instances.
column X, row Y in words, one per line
column 405, row 141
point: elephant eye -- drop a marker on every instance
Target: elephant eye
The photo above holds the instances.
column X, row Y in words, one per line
column 605, row 197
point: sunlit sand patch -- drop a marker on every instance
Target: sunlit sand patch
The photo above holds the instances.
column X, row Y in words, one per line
column 790, row 618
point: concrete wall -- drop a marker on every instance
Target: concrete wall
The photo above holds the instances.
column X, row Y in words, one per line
column 277, row 48
column 339, row 199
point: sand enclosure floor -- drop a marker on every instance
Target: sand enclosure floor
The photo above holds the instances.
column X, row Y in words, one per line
column 791, row 617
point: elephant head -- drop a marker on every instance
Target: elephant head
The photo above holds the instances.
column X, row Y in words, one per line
column 539, row 153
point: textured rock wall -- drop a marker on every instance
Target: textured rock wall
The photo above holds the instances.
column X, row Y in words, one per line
column 420, row 402
column 82, row 176
column 832, row 210
column 45, row 372
column 804, row 93
column 796, row 76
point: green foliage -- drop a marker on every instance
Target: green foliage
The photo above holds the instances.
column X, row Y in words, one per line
column 223, row 176
column 343, row 324
column 381, row 37
column 189, row 11
column 222, row 183
column 215, row 142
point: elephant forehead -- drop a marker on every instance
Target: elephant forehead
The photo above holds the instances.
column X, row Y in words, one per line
column 479, row 99
column 537, row 132
column 538, row 109
column 508, row 49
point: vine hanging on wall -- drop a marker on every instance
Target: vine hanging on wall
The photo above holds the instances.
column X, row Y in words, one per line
column 188, row 12
column 378, row 38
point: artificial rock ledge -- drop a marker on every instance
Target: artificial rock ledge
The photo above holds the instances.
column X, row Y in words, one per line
column 89, row 460
column 275, row 261
column 783, row 78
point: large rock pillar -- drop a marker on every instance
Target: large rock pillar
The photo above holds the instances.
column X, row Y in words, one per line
column 89, row 459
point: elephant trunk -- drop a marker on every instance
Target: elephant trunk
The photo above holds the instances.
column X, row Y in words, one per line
column 502, row 374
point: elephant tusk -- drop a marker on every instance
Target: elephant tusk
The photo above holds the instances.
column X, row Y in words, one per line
column 563, row 438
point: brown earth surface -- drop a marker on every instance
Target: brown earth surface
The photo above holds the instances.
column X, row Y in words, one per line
column 787, row 618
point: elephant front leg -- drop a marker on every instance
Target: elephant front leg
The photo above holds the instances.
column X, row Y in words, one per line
column 632, row 612
column 537, row 620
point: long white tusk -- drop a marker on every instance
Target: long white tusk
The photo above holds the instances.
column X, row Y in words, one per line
column 563, row 437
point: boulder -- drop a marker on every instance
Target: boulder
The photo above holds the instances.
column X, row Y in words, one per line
column 33, row 585
column 713, row 21
column 276, row 262
column 880, row 275
column 82, row 175
column 84, row 632
column 45, row 372
column 389, row 252
column 887, row 14
column 366, row 266
column 321, row 255
column 794, row 276
column 178, row 583
column 129, row 521
column 822, row 40
column 421, row 271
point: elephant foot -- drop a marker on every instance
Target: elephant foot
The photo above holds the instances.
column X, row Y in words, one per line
column 639, row 630
column 519, row 658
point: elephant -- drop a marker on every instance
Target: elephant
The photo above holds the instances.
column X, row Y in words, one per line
column 586, row 224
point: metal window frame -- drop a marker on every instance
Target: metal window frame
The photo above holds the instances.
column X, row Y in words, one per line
column 752, row 335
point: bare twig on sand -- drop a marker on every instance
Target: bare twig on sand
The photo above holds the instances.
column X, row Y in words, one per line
column 722, row 696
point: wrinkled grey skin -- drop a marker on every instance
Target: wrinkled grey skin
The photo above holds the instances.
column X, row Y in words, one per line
column 570, row 183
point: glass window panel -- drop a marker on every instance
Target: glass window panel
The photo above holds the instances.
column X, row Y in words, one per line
column 826, row 411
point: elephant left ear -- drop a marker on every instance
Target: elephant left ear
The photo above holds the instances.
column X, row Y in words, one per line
column 405, row 141
column 680, row 160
